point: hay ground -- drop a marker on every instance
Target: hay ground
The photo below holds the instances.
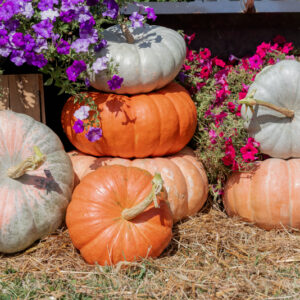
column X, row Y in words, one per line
column 211, row 256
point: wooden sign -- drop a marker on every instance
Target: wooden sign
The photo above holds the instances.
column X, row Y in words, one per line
column 23, row 93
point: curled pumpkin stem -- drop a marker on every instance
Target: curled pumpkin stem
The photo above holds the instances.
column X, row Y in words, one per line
column 29, row 164
column 157, row 185
column 250, row 101
column 129, row 37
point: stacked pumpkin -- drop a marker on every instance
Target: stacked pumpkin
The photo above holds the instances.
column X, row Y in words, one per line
column 141, row 156
column 269, row 195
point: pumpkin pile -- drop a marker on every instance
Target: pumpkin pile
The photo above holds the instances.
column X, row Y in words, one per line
column 269, row 195
column 139, row 178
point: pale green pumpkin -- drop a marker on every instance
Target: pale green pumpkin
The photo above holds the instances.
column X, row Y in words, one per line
column 151, row 62
column 33, row 196
column 278, row 132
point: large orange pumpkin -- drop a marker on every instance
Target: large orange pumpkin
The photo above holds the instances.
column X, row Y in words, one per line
column 269, row 196
column 143, row 125
column 100, row 220
column 184, row 177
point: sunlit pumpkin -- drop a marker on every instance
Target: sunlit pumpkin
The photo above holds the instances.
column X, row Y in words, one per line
column 112, row 217
column 155, row 124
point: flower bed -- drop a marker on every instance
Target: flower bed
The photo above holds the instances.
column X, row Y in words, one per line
column 216, row 86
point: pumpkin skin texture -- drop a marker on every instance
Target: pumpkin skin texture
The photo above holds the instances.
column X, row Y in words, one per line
column 269, row 196
column 278, row 135
column 33, row 205
column 150, row 63
column 154, row 124
column 95, row 223
column 184, row 177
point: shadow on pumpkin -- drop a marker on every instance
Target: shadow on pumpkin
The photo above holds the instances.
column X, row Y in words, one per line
column 47, row 183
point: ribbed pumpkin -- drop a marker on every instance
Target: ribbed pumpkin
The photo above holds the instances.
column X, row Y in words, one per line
column 154, row 124
column 151, row 61
column 184, row 177
column 269, row 196
column 102, row 223
column 35, row 187
column 276, row 127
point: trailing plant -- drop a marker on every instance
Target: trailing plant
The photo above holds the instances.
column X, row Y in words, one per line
column 60, row 38
column 216, row 86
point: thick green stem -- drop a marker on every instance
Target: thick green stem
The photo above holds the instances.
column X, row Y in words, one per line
column 250, row 101
column 129, row 37
column 30, row 163
column 131, row 213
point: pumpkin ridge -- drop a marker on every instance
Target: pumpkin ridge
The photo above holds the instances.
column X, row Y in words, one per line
column 290, row 194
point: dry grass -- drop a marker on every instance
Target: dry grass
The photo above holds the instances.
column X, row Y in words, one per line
column 210, row 257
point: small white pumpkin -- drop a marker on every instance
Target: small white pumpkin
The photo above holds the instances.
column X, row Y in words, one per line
column 151, row 62
column 35, row 189
column 279, row 87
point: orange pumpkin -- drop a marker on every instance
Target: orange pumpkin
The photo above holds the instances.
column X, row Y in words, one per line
column 143, row 125
column 269, row 196
column 103, row 220
column 184, row 177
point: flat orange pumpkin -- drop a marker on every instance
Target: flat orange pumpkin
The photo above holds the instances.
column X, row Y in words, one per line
column 269, row 196
column 98, row 226
column 154, row 124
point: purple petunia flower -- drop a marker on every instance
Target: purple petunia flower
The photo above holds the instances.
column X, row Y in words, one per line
column 27, row 10
column 100, row 64
column 43, row 28
column 29, row 42
column 78, row 126
column 115, row 82
column 81, row 45
column 75, row 69
column 3, row 37
column 150, row 13
column 102, row 44
column 46, row 4
column 17, row 57
column 8, row 10
column 63, row 47
column 37, row 60
column 112, row 9
column 82, row 112
column 136, row 20
column 94, row 134
column 18, row 39
column 67, row 16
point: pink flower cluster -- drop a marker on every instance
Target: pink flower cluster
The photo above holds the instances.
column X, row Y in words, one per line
column 204, row 74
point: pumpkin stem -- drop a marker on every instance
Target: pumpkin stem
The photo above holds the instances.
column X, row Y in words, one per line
column 131, row 213
column 129, row 37
column 30, row 163
column 250, row 101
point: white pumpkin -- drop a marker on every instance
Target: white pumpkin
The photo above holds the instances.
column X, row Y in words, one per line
column 151, row 62
column 278, row 85
column 33, row 197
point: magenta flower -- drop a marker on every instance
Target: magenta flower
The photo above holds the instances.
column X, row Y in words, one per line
column 248, row 152
column 205, row 54
column 78, row 126
column 150, row 13
column 115, row 82
column 255, row 62
column 94, row 134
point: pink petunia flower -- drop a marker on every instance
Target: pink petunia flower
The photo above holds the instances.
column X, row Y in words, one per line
column 255, row 62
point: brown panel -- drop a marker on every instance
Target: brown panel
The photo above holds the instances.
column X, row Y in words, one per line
column 25, row 94
column 4, row 92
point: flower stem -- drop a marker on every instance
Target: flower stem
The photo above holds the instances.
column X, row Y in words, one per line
column 129, row 37
column 30, row 163
column 250, row 101
column 131, row 213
